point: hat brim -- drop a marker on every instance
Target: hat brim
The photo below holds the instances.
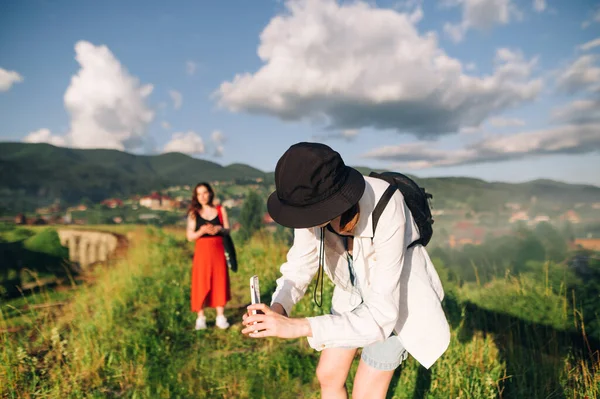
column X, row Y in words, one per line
column 321, row 212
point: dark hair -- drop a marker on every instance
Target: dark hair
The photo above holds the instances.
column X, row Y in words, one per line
column 349, row 219
column 195, row 206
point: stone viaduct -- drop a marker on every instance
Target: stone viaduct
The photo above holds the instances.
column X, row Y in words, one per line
column 87, row 247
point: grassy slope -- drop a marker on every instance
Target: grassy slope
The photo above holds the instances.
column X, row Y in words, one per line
column 132, row 334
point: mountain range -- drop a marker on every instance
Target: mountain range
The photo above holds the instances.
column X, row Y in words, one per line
column 35, row 174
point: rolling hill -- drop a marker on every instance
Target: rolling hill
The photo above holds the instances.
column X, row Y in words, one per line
column 36, row 174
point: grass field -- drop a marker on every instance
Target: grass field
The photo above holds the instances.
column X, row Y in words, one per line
column 130, row 334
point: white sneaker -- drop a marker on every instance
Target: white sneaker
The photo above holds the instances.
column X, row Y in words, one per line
column 221, row 322
column 201, row 323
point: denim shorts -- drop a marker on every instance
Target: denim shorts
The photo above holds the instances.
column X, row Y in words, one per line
column 382, row 355
column 385, row 355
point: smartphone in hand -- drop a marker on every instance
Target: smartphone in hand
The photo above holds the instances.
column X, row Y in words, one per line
column 255, row 293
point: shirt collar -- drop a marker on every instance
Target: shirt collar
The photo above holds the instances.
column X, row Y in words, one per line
column 366, row 204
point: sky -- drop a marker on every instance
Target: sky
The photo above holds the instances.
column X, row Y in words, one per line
column 502, row 90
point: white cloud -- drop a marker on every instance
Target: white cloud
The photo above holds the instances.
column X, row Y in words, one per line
column 8, row 79
column 218, row 152
column 506, row 122
column 539, row 5
column 218, row 138
column 581, row 74
column 470, row 130
column 593, row 19
column 107, row 105
column 177, row 98
column 191, row 67
column 187, row 143
column 350, row 134
column 481, row 15
column 590, row 45
column 165, row 125
column 347, row 134
column 355, row 66
column 456, row 32
column 568, row 139
column 578, row 112
column 45, row 136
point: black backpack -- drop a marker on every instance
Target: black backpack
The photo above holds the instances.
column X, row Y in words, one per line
column 415, row 197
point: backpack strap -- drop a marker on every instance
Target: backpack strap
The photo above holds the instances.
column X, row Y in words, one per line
column 383, row 201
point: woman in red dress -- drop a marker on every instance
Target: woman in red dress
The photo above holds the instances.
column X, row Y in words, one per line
column 210, row 277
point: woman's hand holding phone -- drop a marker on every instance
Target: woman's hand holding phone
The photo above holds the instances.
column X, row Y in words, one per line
column 273, row 324
column 262, row 321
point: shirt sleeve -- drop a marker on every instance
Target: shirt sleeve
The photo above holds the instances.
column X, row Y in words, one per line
column 375, row 318
column 299, row 269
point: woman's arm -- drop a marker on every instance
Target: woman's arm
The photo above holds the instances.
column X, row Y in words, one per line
column 225, row 218
column 191, row 225
column 296, row 274
column 190, row 234
column 298, row 271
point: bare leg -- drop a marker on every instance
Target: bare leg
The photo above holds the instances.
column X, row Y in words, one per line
column 201, row 313
column 370, row 382
column 220, row 310
column 332, row 372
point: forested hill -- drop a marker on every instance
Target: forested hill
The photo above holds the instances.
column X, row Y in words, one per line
column 44, row 172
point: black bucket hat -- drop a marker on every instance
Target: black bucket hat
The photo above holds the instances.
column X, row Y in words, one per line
column 313, row 186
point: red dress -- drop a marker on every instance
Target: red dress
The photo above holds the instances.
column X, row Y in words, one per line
column 210, row 276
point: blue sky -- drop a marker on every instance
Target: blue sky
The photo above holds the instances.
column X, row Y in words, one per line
column 503, row 90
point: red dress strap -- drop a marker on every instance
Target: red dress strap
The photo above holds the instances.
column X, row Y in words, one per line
column 220, row 213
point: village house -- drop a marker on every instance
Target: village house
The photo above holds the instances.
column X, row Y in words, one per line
column 20, row 219
column 54, row 208
column 514, row 206
column 520, row 216
column 570, row 216
column 232, row 203
column 592, row 244
column 156, row 201
column 112, row 203
column 151, row 201
column 540, row 219
column 267, row 219
column 466, row 233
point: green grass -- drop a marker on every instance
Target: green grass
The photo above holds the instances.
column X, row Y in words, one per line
column 131, row 335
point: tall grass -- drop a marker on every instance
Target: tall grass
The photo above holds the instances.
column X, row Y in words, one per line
column 131, row 334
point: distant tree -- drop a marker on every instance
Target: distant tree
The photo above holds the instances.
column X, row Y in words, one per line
column 528, row 247
column 251, row 215
column 554, row 243
column 567, row 231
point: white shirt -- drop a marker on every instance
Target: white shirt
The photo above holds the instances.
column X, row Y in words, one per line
column 401, row 291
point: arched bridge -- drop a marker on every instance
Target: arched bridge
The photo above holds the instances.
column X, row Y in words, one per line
column 87, row 247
